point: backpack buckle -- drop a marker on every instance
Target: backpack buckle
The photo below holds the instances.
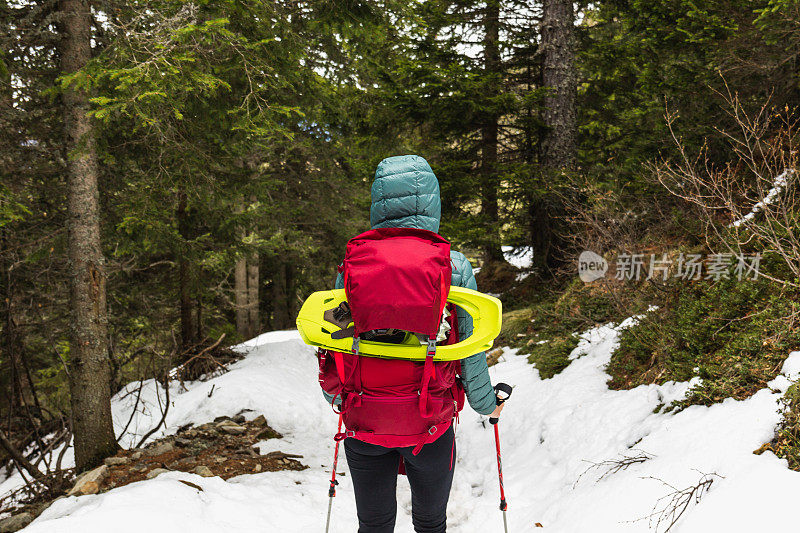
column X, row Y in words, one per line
column 431, row 347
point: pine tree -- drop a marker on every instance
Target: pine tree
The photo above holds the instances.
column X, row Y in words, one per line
column 90, row 373
column 559, row 148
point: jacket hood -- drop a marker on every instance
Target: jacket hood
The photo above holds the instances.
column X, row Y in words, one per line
column 405, row 194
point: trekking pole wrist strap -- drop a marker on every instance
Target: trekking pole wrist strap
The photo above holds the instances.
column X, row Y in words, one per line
column 502, row 392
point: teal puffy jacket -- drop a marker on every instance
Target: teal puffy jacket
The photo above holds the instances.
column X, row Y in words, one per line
column 405, row 194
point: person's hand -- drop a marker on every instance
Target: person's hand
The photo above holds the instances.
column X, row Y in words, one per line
column 496, row 412
column 503, row 393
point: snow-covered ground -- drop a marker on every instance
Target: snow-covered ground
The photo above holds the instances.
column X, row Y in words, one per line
column 552, row 432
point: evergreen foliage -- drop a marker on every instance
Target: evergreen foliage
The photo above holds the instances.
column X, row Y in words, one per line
column 246, row 129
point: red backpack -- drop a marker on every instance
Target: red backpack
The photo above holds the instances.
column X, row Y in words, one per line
column 395, row 279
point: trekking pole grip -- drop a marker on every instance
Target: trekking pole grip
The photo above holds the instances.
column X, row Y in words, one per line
column 502, row 392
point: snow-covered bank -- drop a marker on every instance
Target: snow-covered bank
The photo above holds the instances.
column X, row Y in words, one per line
column 552, row 431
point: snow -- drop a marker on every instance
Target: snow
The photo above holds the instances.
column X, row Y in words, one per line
column 553, row 431
column 521, row 257
column 778, row 185
column 791, row 367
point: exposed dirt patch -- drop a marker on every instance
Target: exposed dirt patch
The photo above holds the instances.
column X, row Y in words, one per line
column 224, row 447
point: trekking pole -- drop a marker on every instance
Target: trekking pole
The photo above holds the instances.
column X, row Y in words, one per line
column 502, row 393
column 332, row 489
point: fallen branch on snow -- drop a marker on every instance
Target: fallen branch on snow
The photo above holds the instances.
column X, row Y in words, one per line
column 669, row 508
column 612, row 466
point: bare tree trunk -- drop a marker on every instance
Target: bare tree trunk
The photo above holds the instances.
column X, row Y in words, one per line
column 184, row 277
column 558, row 149
column 291, row 290
column 241, row 297
column 280, row 306
column 559, row 145
column 10, row 346
column 489, row 134
column 198, row 316
column 253, row 320
column 90, row 373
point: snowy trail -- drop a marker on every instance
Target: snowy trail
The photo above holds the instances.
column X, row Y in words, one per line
column 549, row 430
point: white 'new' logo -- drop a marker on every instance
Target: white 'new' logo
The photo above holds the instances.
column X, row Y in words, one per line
column 591, row 266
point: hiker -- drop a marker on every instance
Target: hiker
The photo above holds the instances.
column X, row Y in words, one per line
column 405, row 194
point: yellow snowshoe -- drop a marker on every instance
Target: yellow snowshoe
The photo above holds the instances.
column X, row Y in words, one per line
column 320, row 325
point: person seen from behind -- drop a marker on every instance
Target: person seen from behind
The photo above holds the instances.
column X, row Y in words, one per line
column 405, row 194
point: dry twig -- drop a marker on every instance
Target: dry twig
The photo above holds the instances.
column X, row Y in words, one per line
column 612, row 466
column 669, row 508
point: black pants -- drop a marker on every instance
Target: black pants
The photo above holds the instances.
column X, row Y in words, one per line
column 374, row 472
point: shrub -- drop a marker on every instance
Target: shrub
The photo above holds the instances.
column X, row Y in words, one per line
column 733, row 334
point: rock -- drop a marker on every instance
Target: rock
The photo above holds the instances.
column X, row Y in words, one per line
column 198, row 446
column 160, row 448
column 89, row 487
column 221, row 419
column 15, row 523
column 180, row 441
column 89, row 483
column 135, row 456
column 239, row 419
column 156, row 472
column 257, row 468
column 203, row 470
column 231, row 428
column 181, row 463
column 208, row 431
column 260, row 421
column 116, row 461
column 139, row 467
column 268, row 433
